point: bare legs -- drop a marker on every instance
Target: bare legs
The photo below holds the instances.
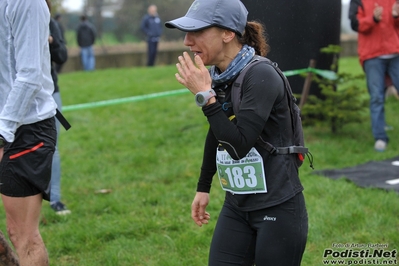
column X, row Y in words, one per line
column 23, row 216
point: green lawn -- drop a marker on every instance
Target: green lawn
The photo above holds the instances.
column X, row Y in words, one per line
column 148, row 154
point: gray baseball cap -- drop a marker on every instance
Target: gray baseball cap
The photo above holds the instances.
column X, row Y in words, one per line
column 227, row 14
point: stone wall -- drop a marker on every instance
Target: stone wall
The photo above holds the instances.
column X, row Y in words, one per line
column 129, row 55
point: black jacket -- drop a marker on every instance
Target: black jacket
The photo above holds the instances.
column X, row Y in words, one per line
column 263, row 112
column 58, row 51
column 86, row 34
column 151, row 27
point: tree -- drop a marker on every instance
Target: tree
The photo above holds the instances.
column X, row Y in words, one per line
column 342, row 102
column 95, row 9
column 56, row 6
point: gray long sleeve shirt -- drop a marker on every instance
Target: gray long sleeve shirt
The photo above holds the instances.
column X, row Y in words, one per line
column 26, row 85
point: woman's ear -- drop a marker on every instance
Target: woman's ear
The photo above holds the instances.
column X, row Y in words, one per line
column 228, row 36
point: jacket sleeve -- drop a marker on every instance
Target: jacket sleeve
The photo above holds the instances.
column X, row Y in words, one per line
column 208, row 168
column 366, row 20
column 353, row 10
column 58, row 50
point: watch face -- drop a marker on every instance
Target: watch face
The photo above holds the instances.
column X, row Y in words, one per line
column 200, row 98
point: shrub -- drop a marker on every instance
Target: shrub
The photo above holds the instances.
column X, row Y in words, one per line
column 342, row 99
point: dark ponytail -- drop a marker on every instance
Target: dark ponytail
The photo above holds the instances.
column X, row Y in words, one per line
column 255, row 37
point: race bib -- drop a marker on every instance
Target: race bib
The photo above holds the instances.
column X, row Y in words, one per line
column 244, row 176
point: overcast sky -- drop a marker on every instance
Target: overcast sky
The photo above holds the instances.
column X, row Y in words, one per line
column 73, row 5
column 76, row 5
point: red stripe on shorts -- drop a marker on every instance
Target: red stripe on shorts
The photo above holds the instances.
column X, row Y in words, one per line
column 26, row 151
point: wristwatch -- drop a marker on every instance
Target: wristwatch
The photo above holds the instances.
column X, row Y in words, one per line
column 202, row 97
column 3, row 142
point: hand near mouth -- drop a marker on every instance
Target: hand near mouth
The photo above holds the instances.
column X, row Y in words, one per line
column 194, row 76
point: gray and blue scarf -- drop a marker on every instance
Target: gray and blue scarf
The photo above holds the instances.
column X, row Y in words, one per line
column 235, row 66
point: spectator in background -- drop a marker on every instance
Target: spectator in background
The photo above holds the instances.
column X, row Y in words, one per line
column 57, row 19
column 27, row 124
column 377, row 25
column 86, row 36
column 152, row 27
column 59, row 56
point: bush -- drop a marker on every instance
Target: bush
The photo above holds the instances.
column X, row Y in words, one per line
column 343, row 101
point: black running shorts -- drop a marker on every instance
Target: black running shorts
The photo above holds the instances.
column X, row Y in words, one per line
column 25, row 169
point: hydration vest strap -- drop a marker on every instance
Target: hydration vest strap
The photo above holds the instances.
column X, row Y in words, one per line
column 281, row 150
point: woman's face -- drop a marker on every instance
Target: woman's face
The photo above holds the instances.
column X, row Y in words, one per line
column 207, row 44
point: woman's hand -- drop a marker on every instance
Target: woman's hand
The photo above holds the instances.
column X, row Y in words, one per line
column 395, row 9
column 378, row 12
column 196, row 76
column 198, row 213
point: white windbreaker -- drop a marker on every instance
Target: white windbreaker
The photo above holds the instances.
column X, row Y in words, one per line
column 26, row 85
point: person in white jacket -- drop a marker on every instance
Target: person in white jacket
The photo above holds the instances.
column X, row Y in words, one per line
column 27, row 123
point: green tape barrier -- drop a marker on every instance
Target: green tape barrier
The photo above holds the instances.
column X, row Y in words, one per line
column 123, row 100
column 328, row 74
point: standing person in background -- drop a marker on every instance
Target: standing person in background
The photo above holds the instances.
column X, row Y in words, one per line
column 27, row 124
column 269, row 225
column 86, row 36
column 57, row 19
column 377, row 25
column 152, row 28
column 59, row 56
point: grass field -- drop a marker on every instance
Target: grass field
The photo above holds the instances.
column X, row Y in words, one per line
column 147, row 154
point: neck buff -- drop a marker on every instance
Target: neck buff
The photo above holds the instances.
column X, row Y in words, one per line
column 235, row 66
